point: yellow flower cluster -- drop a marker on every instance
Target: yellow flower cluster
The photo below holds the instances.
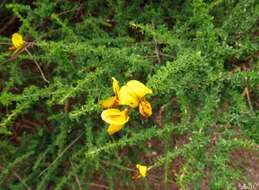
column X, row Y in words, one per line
column 131, row 95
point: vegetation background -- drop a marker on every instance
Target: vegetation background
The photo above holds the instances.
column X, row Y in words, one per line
column 200, row 58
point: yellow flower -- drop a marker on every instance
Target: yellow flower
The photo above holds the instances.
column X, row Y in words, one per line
column 142, row 169
column 128, row 97
column 113, row 101
column 115, row 86
column 133, row 94
column 115, row 118
column 138, row 88
column 17, row 41
column 110, row 102
column 145, row 108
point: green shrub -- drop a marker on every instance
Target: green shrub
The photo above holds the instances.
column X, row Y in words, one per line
column 198, row 57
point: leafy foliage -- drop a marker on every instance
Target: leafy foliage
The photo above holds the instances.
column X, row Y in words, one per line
column 200, row 58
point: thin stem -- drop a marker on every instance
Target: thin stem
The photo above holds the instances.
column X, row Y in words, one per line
column 156, row 50
column 155, row 44
column 76, row 176
column 247, row 94
column 5, row 43
column 37, row 64
column 61, row 154
column 18, row 177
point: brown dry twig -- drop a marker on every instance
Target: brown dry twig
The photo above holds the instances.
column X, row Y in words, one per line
column 158, row 56
column 66, row 106
column 247, row 94
column 155, row 44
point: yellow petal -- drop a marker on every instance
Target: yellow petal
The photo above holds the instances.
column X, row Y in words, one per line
column 115, row 116
column 145, row 108
column 128, row 97
column 115, row 86
column 110, row 102
column 17, row 41
column 142, row 170
column 138, row 88
column 114, row 128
